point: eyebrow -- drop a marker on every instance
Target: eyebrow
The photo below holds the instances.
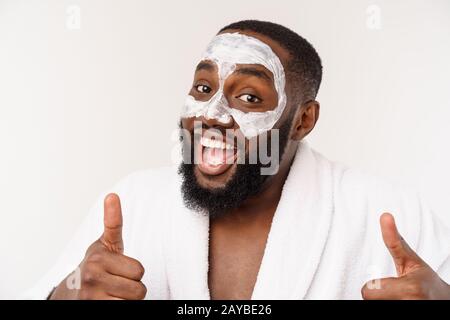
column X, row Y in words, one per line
column 254, row 72
column 203, row 65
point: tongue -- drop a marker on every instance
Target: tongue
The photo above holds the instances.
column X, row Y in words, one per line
column 214, row 156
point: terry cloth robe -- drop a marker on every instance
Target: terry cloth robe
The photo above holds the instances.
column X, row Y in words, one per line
column 324, row 243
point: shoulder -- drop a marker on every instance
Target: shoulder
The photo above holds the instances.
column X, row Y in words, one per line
column 361, row 197
column 358, row 189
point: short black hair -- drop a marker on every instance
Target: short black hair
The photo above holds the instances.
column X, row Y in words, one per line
column 305, row 65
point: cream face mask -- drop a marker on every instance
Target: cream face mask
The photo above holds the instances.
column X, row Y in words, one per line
column 227, row 50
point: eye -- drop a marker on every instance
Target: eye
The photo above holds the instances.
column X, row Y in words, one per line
column 202, row 88
column 249, row 98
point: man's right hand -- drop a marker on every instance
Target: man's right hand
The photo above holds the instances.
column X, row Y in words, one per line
column 105, row 272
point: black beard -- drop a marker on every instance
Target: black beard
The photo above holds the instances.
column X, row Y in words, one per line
column 246, row 182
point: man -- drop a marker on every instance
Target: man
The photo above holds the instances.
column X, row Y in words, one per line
column 295, row 227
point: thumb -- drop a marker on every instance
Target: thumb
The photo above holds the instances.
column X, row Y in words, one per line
column 112, row 220
column 404, row 257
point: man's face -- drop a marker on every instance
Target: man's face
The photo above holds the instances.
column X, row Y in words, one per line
column 248, row 88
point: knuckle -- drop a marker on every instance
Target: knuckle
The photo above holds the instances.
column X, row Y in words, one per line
column 416, row 290
column 364, row 291
column 396, row 245
column 413, row 289
column 95, row 257
column 141, row 291
column 89, row 274
column 139, row 269
column 93, row 247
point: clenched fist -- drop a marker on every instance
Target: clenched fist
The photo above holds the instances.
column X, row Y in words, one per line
column 105, row 272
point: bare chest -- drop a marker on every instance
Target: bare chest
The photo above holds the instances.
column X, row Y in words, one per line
column 234, row 263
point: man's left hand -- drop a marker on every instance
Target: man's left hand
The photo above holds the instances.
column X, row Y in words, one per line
column 415, row 279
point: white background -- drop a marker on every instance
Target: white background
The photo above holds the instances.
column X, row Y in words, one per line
column 81, row 108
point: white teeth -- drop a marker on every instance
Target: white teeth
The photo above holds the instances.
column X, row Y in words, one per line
column 210, row 143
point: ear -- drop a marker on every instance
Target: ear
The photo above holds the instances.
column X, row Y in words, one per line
column 305, row 119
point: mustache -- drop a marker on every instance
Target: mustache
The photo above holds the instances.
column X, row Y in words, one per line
column 200, row 128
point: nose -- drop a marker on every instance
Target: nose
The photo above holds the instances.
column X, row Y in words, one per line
column 217, row 115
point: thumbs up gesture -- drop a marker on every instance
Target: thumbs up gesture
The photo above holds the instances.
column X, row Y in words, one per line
column 415, row 279
column 105, row 272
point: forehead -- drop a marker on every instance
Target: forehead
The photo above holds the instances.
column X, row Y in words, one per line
column 255, row 70
column 279, row 51
column 246, row 53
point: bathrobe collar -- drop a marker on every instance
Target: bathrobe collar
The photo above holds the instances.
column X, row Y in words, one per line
column 294, row 246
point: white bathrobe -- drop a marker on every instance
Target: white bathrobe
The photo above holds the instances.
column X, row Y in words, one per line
column 324, row 243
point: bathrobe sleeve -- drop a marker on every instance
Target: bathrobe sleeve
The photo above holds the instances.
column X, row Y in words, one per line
column 89, row 231
column 144, row 199
column 360, row 199
column 434, row 242
column 421, row 227
column 425, row 232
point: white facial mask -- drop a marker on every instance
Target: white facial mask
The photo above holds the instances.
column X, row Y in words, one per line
column 227, row 50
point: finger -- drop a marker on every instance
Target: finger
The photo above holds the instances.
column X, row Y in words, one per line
column 97, row 290
column 104, row 296
column 124, row 288
column 402, row 254
column 382, row 289
column 97, row 295
column 122, row 266
column 113, row 298
column 112, row 234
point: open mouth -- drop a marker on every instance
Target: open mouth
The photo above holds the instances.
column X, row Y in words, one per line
column 215, row 156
